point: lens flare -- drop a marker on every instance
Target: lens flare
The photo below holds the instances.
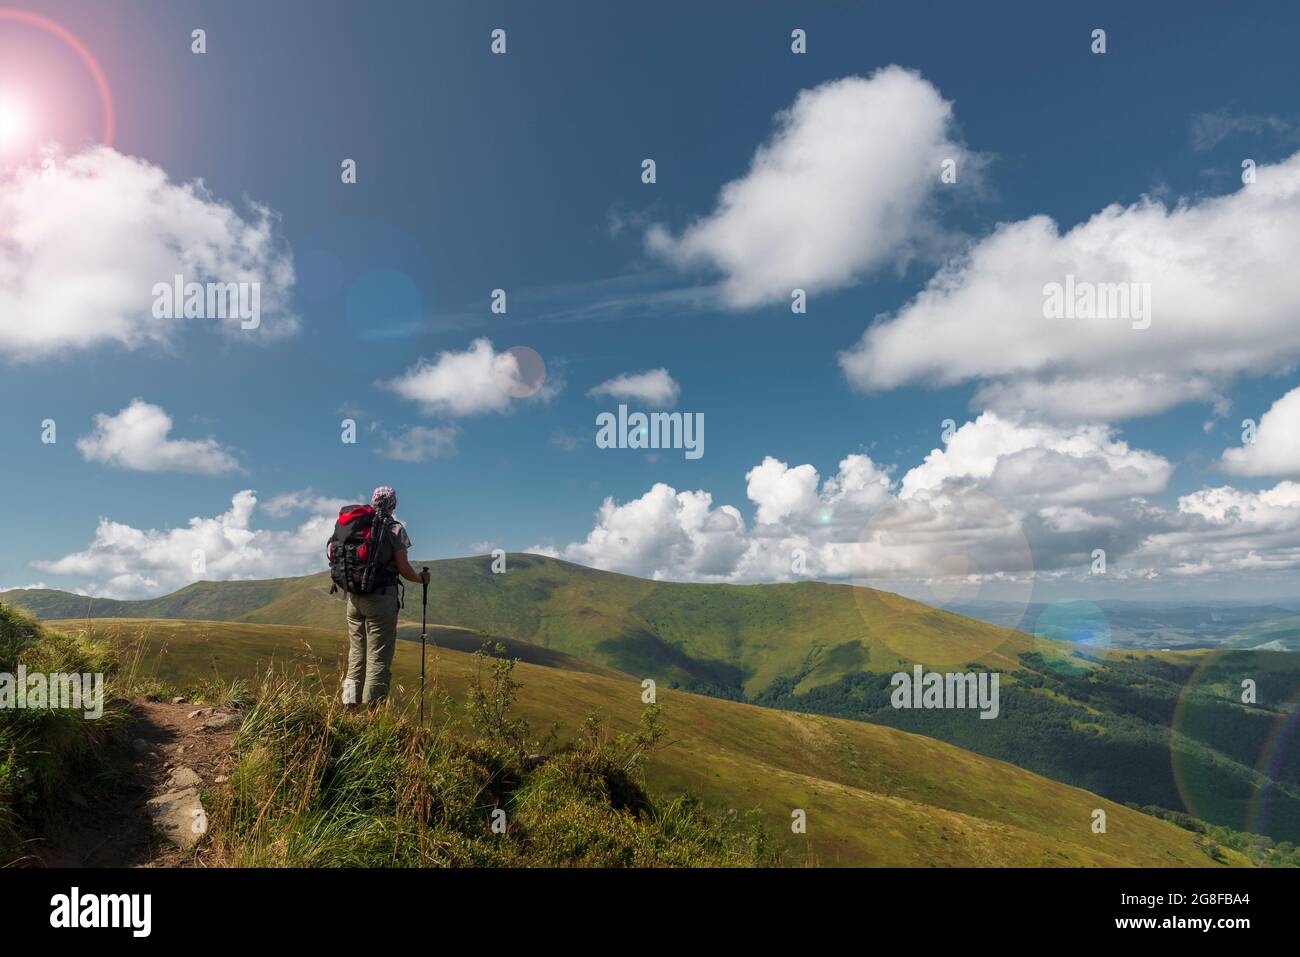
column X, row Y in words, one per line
column 1211, row 711
column 73, row 42
column 1072, row 635
column 520, row 372
column 1277, row 756
column 13, row 121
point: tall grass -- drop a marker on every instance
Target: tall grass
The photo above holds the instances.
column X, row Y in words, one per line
column 46, row 754
column 314, row 786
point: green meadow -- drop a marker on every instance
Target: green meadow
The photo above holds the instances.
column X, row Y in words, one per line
column 872, row 795
column 1166, row 730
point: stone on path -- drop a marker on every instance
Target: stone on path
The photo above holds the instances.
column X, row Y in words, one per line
column 184, row 778
column 219, row 721
column 179, row 816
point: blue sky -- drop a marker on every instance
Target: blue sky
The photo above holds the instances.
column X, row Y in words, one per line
column 523, row 172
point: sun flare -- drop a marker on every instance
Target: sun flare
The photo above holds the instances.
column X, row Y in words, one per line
column 13, row 121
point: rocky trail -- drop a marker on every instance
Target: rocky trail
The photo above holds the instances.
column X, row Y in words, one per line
column 152, row 815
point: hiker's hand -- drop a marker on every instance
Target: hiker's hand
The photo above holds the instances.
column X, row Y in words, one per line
column 424, row 577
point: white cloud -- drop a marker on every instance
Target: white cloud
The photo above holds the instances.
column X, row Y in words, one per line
column 476, row 381
column 664, row 533
column 126, row 562
column 1002, row 501
column 1223, row 530
column 780, row 491
column 138, row 438
column 84, row 247
column 962, row 517
column 1042, row 463
column 1276, row 449
column 1071, row 518
column 841, row 189
column 654, row 388
column 1098, row 398
column 1224, row 299
column 305, row 500
column 420, row 444
column 1210, row 129
column 852, row 527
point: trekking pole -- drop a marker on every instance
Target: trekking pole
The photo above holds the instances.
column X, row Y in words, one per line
column 424, row 630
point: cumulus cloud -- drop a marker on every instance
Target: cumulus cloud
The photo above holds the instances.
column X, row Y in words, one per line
column 84, row 245
column 1223, row 530
column 122, row 561
column 1223, row 299
column 779, row 491
column 1002, row 501
column 1041, row 463
column 848, row 526
column 474, row 382
column 138, row 438
column 664, row 534
column 1276, row 449
column 840, row 189
column 654, row 388
column 420, row 443
column 986, row 508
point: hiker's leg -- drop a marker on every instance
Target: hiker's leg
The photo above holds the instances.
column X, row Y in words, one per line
column 356, row 672
column 381, row 633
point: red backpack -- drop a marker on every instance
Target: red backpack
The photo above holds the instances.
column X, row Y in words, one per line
column 360, row 552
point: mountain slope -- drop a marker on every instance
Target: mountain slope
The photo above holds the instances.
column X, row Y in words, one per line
column 732, row 638
column 1153, row 728
column 872, row 795
column 215, row 601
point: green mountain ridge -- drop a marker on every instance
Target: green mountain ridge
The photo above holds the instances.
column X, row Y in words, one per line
column 738, row 638
column 1158, row 728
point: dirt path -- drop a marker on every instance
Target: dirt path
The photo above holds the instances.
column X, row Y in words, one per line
column 174, row 750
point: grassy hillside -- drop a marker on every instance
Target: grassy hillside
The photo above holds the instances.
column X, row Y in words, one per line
column 873, row 795
column 1149, row 728
column 312, row 786
column 309, row 785
column 217, row 601
column 734, row 639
